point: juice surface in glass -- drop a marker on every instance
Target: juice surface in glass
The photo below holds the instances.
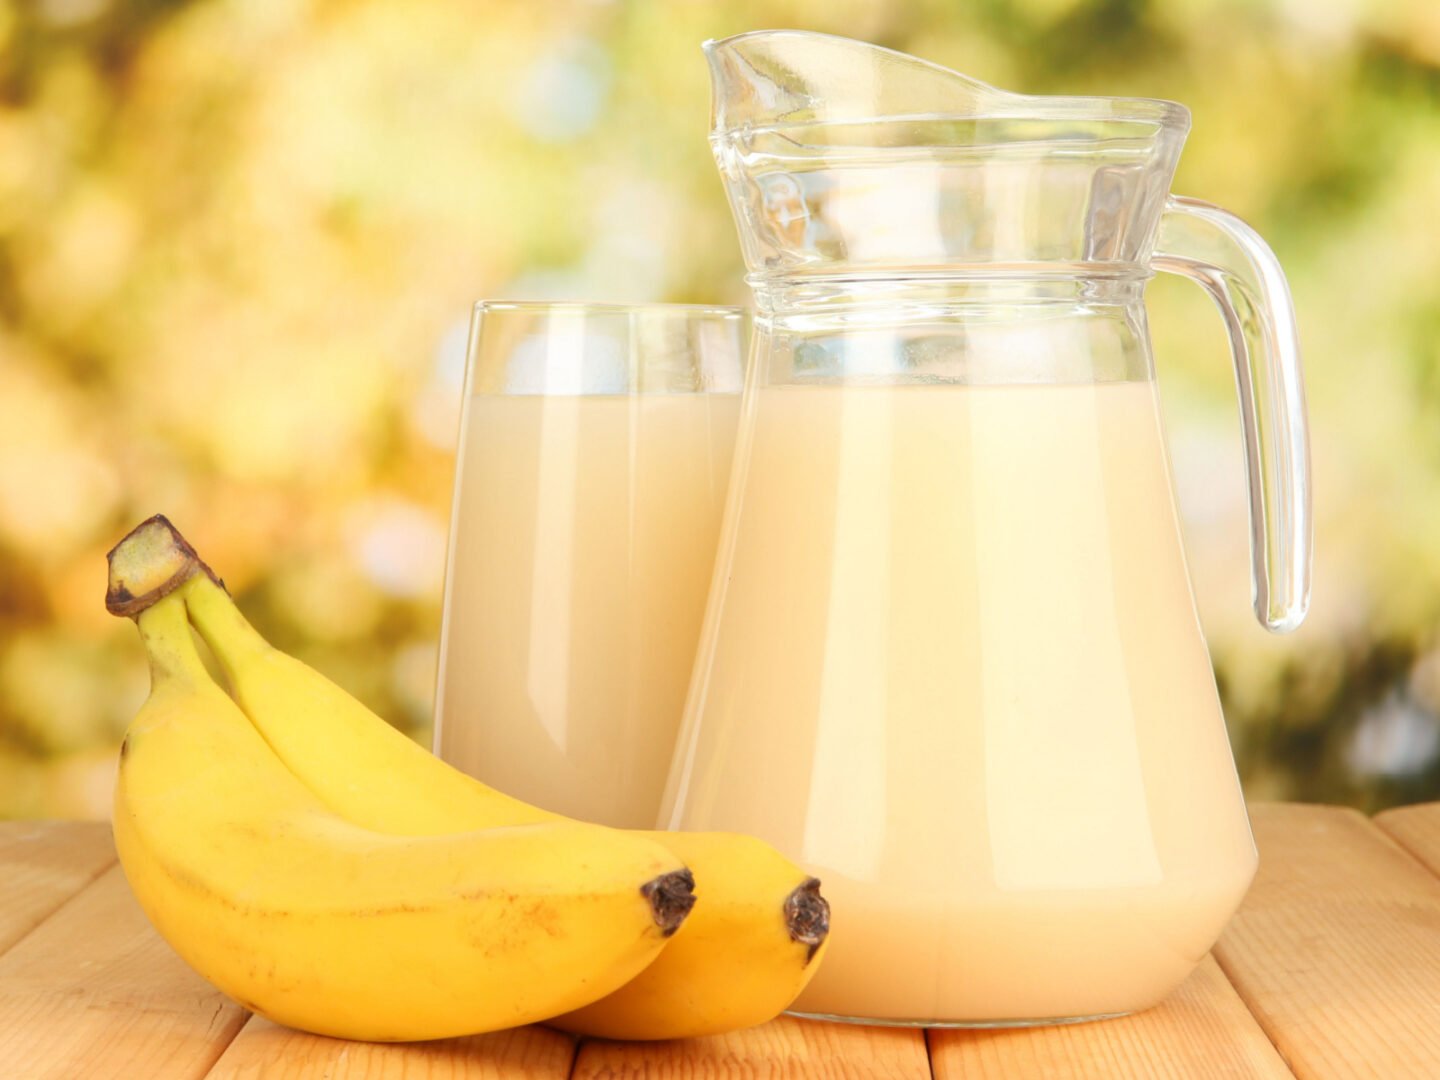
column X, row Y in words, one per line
column 1047, row 823
column 583, row 550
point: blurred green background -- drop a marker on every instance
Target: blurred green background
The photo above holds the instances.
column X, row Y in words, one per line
column 239, row 240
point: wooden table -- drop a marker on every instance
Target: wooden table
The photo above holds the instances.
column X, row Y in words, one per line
column 1331, row 969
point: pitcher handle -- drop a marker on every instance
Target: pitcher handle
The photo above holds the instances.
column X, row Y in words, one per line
column 1237, row 268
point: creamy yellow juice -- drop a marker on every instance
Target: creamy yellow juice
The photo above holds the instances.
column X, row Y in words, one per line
column 582, row 550
column 983, row 713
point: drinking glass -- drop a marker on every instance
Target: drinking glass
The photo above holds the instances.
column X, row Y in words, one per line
column 594, row 456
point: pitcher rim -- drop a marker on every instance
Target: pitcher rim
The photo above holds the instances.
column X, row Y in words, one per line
column 1170, row 115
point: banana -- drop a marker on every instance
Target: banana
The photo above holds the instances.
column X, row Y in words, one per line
column 758, row 932
column 320, row 924
column 748, row 950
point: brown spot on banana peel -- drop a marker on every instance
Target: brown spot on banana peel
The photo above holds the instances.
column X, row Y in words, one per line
column 152, row 561
column 671, row 897
column 807, row 916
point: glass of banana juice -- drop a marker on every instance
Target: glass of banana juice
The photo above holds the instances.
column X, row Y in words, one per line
column 593, row 462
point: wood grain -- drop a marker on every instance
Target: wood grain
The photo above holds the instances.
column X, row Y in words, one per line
column 782, row 1048
column 43, row 864
column 1336, row 950
column 94, row 992
column 266, row 1051
column 1417, row 830
column 1200, row 1032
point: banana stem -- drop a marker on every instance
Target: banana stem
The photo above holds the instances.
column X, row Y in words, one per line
column 230, row 636
column 149, row 564
column 168, row 644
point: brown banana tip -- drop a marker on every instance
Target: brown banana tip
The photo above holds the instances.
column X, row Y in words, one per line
column 671, row 897
column 152, row 561
column 807, row 916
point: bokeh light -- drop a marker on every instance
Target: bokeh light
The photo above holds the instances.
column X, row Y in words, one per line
column 239, row 243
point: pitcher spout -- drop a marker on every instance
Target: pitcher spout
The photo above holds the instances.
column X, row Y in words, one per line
column 842, row 157
column 767, row 77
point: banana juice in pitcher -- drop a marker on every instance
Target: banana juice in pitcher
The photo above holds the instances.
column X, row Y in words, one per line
column 951, row 660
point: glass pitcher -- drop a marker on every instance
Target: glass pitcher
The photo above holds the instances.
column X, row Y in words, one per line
column 951, row 659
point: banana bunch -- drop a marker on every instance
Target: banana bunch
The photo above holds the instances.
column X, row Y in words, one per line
column 325, row 871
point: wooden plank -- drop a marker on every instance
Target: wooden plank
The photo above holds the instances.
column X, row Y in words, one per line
column 1337, row 948
column 782, row 1048
column 94, row 991
column 266, row 1051
column 1202, row 1031
column 43, row 864
column 1417, row 830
